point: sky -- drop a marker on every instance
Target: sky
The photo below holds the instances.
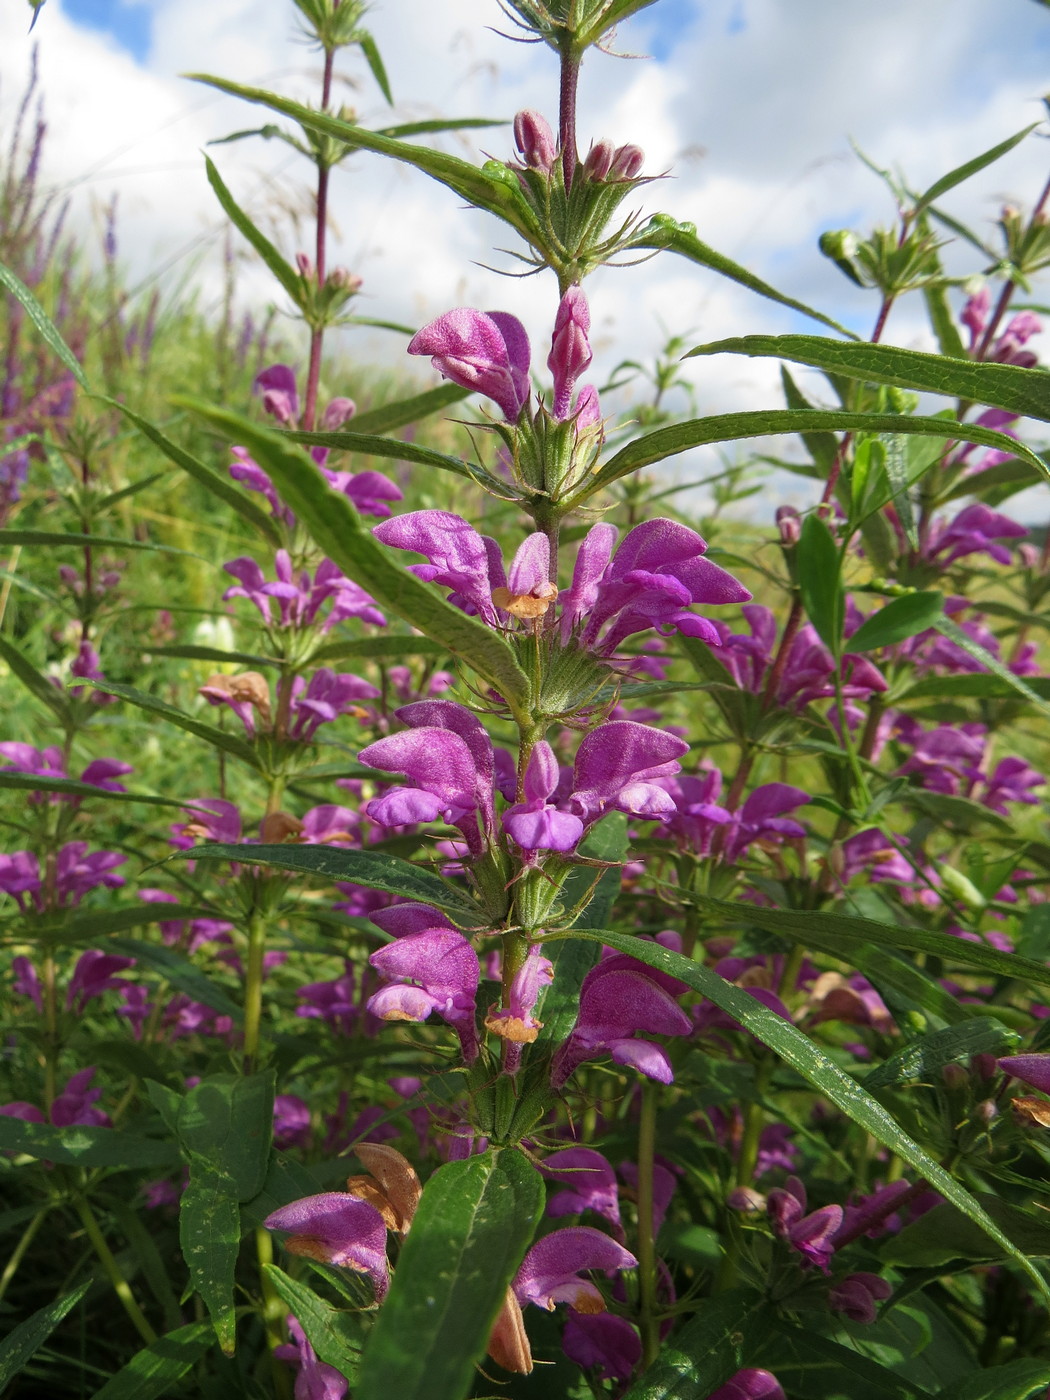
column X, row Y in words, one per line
column 747, row 108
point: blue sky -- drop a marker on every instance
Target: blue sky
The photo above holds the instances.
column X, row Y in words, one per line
column 128, row 23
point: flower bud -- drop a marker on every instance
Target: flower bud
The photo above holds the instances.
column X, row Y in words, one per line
column 789, row 523
column 344, row 279
column 599, row 160
column 955, row 1077
column 986, row 1112
column 535, row 140
column 570, row 351
column 627, row 163
column 747, row 1199
column 305, row 265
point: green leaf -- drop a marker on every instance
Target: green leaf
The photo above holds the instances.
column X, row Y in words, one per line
column 56, row 700
column 900, row 619
column 663, row 233
column 283, row 271
column 1021, row 390
column 900, row 482
column 389, row 416
column 372, row 57
column 822, row 447
column 66, row 929
column 970, row 167
column 902, row 986
column 1014, row 1381
column 979, row 687
column 944, row 328
column 214, row 654
column 481, row 188
column 371, row 868
column 210, row 1238
column 474, row 1222
column 701, row 1356
column 949, row 628
column 806, row 1057
column 812, row 1367
column 945, row 1233
column 730, row 427
column 28, row 782
column 337, row 528
column 1033, row 940
column 152, row 1373
column 378, row 649
column 48, row 539
column 820, row 582
column 369, row 446
column 49, row 332
column 81, row 1146
column 210, row 733
column 179, row 971
column 29, row 1336
column 925, row 1057
column 261, row 522
column 227, row 1120
column 331, row 1333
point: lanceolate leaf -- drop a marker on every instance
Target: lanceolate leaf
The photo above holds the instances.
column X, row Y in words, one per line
column 731, row 427
column 970, row 167
column 371, row 868
column 179, row 971
column 804, row 1056
column 331, row 1333
column 820, row 582
column 69, row 929
column 49, row 539
column 209, row 1237
column 84, row 1146
column 900, row 619
column 665, row 233
column 227, row 1120
column 951, row 629
column 711, row 1347
column 42, row 321
column 29, row 782
column 1021, row 390
column 29, row 1336
column 386, row 417
column 929, row 1054
column 379, row 648
column 370, row 446
column 1016, row 1380
column 474, row 1222
column 212, row 734
column 39, row 685
column 338, row 529
column 283, row 271
column 152, row 1373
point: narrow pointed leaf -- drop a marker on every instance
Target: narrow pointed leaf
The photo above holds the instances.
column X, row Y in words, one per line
column 810, row 1061
column 331, row 1333
column 900, row 619
column 711, row 1347
column 970, row 167
column 1013, row 387
column 949, row 628
column 928, row 1055
column 338, row 530
column 49, row 539
column 820, row 582
column 29, row 1336
column 796, row 1351
column 388, row 416
column 372, row 57
column 152, row 1373
column 37, row 684
column 944, row 328
column 70, row 929
column 46, row 328
column 180, row 972
column 214, row 654
column 211, row 733
column 474, row 1222
column 731, row 427
column 369, row 445
column 380, row 648
column 665, row 234
column 371, row 868
column 283, row 271
column 28, row 782
column 83, row 1146
column 1016, row 1380
column 210, row 1237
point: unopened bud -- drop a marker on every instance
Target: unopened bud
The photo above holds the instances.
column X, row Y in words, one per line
column 305, row 266
column 985, row 1066
column 789, row 523
column 838, row 244
column 986, row 1111
column 627, row 163
column 955, row 1077
column 599, row 160
column 535, row 140
column 1030, row 556
column 746, row 1198
column 344, row 279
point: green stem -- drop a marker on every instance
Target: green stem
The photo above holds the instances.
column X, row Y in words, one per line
column 253, row 988
column 28, row 1235
column 273, row 1314
column 112, row 1271
column 646, row 1244
column 49, row 990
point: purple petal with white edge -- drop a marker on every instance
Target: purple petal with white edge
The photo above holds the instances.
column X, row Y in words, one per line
column 400, row 1003
column 406, row 807
column 549, row 1272
column 643, row 1056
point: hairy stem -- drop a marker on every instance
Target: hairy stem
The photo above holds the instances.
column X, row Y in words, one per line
column 253, row 988
column 313, row 373
column 646, row 1244
column 570, row 78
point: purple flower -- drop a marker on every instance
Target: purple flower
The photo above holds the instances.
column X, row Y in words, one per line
column 1033, row 1070
column 616, row 768
column 975, row 530
column 535, row 824
column 570, row 352
column 291, row 1121
column 74, row 1105
column 94, row 974
column 855, row 1296
column 616, row 1000
column 484, row 351
column 652, row 580
column 588, row 1182
column 334, row 1002
column 103, row 772
column 549, row 1273
column 1012, row 781
column 316, row 1380
column 515, row 1023
column 26, row 982
column 435, row 970
column 761, row 818
column 325, row 698
column 946, row 759
column 874, row 856
column 300, row 597
column 811, row 1235
column 535, row 141
column 664, row 1184
column 749, row 1384
column 336, row 1228
column 603, row 1341
column 77, row 872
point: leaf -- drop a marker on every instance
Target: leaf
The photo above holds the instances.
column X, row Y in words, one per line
column 665, row 234
column 903, row 986
column 210, row 1237
column 970, row 167
column 982, row 687
column 227, row 1120
column 210, row 733
column 180, row 972
column 949, row 628
column 822, row 447
column 900, row 619
column 378, row 649
column 29, row 782
column 1033, row 939
column 805, row 1057
column 47, row 329
column 730, row 427
column 900, row 482
column 820, row 582
column 48, row 539
column 482, row 188
column 262, row 523
column 925, row 1057
column 701, row 1356
column 945, row 1233
column 847, row 929
column 369, row 446
column 29, row 1336
column 152, row 1372
column 1014, row 1381
column 372, row 57
column 949, row 340
column 66, row 930
column 337, row 528
column 213, row 654
column 371, row 868
column 81, row 1146
column 811, row 1367
column 389, row 416
column 35, row 683
column 283, row 271
column 474, row 1222
column 331, row 1333
column 1013, row 387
